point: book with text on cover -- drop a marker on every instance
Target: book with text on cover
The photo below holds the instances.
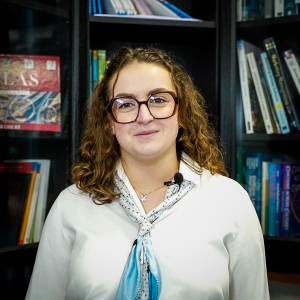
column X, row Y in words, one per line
column 30, row 92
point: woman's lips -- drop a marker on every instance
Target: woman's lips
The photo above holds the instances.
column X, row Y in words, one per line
column 146, row 134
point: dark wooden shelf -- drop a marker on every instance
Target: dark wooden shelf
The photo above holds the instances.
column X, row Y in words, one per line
column 268, row 22
column 10, row 253
column 33, row 134
column 261, row 137
column 147, row 21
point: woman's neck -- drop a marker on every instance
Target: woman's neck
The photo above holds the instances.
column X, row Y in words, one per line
column 146, row 175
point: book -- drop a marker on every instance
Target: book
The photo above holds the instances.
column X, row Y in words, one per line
column 110, row 7
column 128, row 7
column 95, row 68
column 265, row 197
column 32, row 209
column 279, row 8
column 99, row 7
column 269, row 9
column 142, row 7
column 30, row 92
column 239, row 10
column 175, row 9
column 290, row 8
column 41, row 206
column 253, row 175
column 101, row 64
column 295, row 202
column 251, row 10
column 275, row 96
column 267, row 93
column 293, row 67
column 286, row 198
column 274, row 198
column 260, row 92
column 14, row 185
column 252, row 113
column 34, row 171
column 276, row 66
column 159, row 9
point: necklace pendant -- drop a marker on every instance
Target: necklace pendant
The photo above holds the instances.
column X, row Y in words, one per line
column 144, row 197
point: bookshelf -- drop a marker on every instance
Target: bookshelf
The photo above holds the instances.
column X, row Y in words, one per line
column 282, row 253
column 41, row 29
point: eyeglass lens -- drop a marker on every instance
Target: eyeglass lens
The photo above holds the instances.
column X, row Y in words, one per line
column 126, row 109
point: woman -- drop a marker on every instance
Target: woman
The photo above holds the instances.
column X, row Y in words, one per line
column 127, row 229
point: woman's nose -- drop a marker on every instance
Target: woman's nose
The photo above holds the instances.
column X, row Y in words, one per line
column 144, row 115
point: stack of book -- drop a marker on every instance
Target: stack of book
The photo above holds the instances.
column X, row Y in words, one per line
column 270, row 86
column 263, row 9
column 150, row 8
column 273, row 184
column 97, row 67
column 23, row 199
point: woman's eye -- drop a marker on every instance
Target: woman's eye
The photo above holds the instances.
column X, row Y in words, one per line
column 158, row 100
column 126, row 105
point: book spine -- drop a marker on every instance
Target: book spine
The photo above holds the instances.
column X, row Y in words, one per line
column 91, row 72
column 99, row 6
column 260, row 94
column 28, row 204
column 278, row 200
column 278, row 8
column 265, row 197
column 276, row 99
column 253, row 178
column 250, row 10
column 94, row 6
column 160, row 10
column 274, row 119
column 145, row 6
column 274, row 59
column 269, row 9
column 101, row 64
column 293, row 67
column 290, row 8
column 175, row 9
column 239, row 10
column 95, row 68
column 272, row 198
column 286, row 199
column 244, row 85
column 295, row 201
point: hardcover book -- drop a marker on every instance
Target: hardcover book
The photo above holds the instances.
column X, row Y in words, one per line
column 295, row 201
column 30, row 92
column 289, row 102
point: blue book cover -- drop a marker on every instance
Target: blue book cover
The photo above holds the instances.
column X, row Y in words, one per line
column 273, row 188
column 175, row 9
column 278, row 199
column 94, row 7
column 290, row 8
column 295, row 201
column 99, row 7
column 95, row 68
column 253, row 175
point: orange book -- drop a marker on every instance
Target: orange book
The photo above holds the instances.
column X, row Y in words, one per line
column 34, row 171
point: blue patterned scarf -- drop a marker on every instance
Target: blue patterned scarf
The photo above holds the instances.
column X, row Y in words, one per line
column 140, row 279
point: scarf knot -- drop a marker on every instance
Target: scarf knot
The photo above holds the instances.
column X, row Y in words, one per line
column 145, row 227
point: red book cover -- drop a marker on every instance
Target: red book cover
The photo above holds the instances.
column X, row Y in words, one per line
column 30, row 92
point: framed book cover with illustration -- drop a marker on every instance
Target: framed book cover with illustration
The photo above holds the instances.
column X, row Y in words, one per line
column 30, row 92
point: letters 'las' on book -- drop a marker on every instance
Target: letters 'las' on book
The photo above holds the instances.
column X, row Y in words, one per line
column 15, row 182
column 289, row 98
column 254, row 122
column 30, row 92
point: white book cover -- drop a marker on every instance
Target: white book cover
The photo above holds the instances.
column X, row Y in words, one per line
column 243, row 72
column 293, row 67
column 160, row 10
column 109, row 7
column 281, row 114
column 260, row 93
column 142, row 7
column 269, row 9
column 278, row 8
column 32, row 208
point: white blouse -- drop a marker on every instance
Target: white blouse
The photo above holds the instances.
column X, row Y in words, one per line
column 209, row 245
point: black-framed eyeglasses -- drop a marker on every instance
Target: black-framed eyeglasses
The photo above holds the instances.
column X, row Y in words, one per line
column 161, row 105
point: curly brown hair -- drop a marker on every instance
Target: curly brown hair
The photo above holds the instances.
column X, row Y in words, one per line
column 93, row 172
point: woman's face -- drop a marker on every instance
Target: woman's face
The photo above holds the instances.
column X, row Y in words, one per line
column 146, row 138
